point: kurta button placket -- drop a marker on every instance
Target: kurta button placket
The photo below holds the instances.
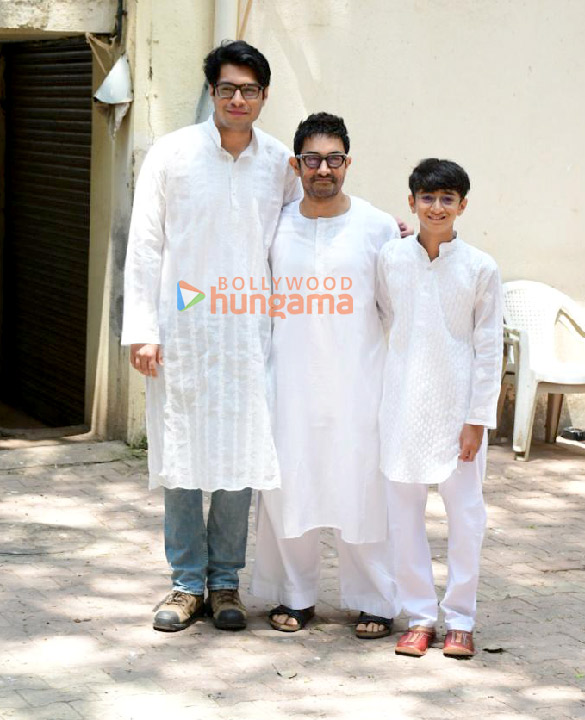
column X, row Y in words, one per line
column 318, row 256
column 319, row 247
column 235, row 185
column 232, row 175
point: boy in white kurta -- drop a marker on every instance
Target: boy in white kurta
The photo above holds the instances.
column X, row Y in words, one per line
column 327, row 374
column 441, row 385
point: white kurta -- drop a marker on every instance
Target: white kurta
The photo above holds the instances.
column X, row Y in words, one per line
column 199, row 215
column 445, row 355
column 327, row 374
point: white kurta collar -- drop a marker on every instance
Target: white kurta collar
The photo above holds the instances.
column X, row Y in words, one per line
column 332, row 222
column 445, row 249
column 211, row 129
column 450, row 247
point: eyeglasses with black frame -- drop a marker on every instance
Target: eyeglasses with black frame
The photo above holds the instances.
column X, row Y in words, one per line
column 249, row 91
column 313, row 160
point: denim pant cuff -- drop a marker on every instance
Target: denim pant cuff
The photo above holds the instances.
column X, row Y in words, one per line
column 188, row 590
column 223, row 587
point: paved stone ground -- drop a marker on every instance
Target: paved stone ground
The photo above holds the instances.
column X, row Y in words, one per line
column 82, row 565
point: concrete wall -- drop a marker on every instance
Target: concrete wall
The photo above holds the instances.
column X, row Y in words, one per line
column 167, row 43
column 102, row 150
column 170, row 42
column 495, row 85
column 23, row 18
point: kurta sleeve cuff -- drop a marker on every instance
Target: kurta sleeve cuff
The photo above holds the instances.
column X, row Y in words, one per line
column 488, row 422
column 135, row 337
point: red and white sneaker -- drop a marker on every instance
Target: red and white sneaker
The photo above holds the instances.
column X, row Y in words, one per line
column 459, row 643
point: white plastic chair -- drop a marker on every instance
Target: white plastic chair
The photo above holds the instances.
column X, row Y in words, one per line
column 531, row 311
column 509, row 375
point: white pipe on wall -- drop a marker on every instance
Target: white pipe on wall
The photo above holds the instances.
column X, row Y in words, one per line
column 226, row 21
column 225, row 28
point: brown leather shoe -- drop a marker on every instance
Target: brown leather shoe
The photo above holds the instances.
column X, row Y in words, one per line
column 416, row 641
column 177, row 611
column 459, row 643
column 227, row 609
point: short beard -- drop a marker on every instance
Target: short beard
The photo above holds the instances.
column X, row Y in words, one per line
column 321, row 192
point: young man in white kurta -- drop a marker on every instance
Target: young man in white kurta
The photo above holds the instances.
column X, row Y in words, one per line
column 441, row 385
column 326, row 371
column 206, row 206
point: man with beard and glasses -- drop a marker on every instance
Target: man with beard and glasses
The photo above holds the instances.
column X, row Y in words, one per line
column 326, row 371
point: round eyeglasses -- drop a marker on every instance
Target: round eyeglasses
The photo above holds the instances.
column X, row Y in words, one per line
column 446, row 201
column 313, row 160
column 249, row 91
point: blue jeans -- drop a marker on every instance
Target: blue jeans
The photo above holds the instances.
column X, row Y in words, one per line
column 214, row 553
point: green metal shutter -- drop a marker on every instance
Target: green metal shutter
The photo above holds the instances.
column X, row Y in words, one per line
column 46, row 247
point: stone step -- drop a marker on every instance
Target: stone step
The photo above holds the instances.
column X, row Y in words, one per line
column 64, row 453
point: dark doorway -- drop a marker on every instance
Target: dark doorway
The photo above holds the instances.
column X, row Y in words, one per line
column 46, row 244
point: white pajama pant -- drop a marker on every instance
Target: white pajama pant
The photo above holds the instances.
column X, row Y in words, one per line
column 286, row 571
column 466, row 517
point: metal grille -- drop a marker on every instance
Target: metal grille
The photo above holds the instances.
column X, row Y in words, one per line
column 46, row 247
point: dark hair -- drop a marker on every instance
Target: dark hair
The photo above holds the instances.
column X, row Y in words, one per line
column 434, row 174
column 236, row 52
column 320, row 124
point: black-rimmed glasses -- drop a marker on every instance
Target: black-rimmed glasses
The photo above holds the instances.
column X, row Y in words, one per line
column 249, row 91
column 313, row 160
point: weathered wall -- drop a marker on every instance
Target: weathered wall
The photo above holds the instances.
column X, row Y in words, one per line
column 494, row 85
column 22, row 17
column 167, row 44
column 171, row 40
column 98, row 350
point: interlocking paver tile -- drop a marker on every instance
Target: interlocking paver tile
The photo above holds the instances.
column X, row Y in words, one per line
column 56, row 711
column 83, row 564
column 12, row 700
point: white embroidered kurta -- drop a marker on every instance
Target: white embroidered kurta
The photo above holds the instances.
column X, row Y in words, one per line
column 199, row 215
column 327, row 376
column 444, row 361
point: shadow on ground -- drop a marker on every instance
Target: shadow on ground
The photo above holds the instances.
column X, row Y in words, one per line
column 82, row 565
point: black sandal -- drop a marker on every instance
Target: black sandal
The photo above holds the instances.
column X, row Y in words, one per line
column 365, row 619
column 301, row 616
